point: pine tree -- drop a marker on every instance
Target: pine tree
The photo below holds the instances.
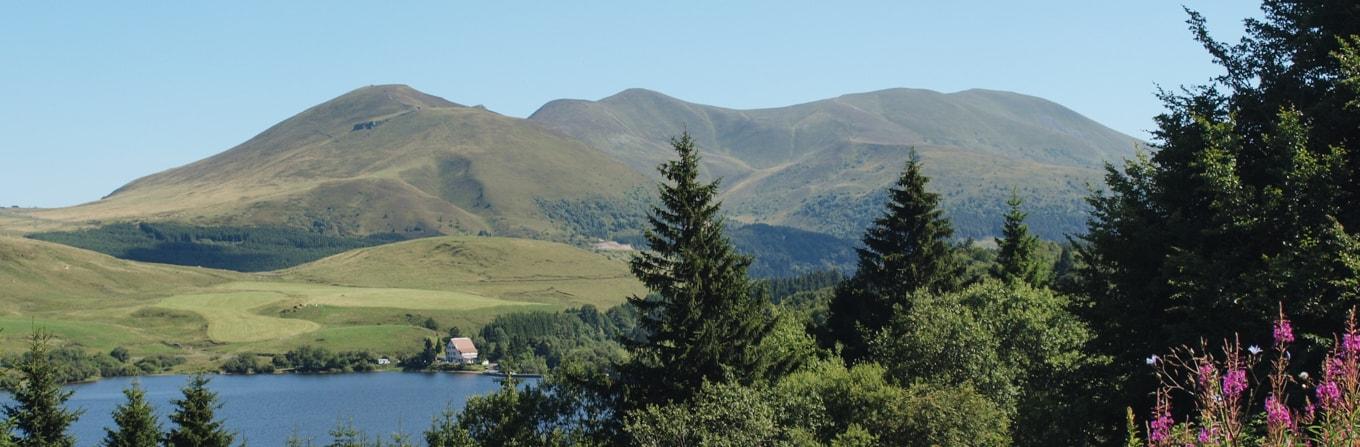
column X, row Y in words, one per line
column 137, row 424
column 195, row 423
column 38, row 411
column 706, row 319
column 906, row 251
column 1017, row 258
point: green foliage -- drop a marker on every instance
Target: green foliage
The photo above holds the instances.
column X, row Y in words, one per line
column 708, row 320
column 510, row 417
column 313, row 359
column 445, row 432
column 72, row 364
column 38, row 411
column 247, row 363
column 1015, row 345
column 195, row 424
column 135, row 420
column 780, row 289
column 536, row 342
column 906, row 250
column 120, row 354
column 860, row 406
column 158, row 363
column 1017, row 257
column 785, row 251
column 246, row 249
column 723, row 414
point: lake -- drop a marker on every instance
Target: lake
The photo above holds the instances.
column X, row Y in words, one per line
column 266, row 409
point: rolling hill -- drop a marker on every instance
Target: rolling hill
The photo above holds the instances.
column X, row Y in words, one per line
column 374, row 298
column 822, row 165
column 380, row 159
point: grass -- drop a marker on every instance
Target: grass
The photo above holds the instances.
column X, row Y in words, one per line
column 374, row 299
column 231, row 316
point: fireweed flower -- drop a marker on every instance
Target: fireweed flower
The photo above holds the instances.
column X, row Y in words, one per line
column 1234, row 382
column 1253, row 349
column 1206, row 373
column 1329, row 395
column 1161, row 428
column 1152, row 360
column 1276, row 413
column 1284, row 332
column 1351, row 343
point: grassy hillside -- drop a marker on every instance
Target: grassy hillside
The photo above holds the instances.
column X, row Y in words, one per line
column 512, row 269
column 821, row 165
column 373, row 298
column 381, row 159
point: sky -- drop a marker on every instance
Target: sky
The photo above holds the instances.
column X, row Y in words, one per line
column 96, row 94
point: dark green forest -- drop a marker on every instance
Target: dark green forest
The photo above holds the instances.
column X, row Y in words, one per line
column 245, row 249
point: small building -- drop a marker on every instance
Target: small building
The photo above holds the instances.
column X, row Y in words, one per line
column 461, row 351
column 384, row 361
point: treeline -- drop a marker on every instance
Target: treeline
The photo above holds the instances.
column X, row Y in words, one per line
column 246, row 249
column 784, row 251
column 72, row 364
column 537, row 342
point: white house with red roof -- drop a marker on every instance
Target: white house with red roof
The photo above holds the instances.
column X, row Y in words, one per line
column 461, row 351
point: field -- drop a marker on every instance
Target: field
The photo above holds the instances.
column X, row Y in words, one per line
column 376, row 299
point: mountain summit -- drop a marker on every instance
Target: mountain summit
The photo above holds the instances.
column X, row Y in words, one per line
column 378, row 159
column 823, row 165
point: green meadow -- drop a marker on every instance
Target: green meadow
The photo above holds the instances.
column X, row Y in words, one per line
column 376, row 299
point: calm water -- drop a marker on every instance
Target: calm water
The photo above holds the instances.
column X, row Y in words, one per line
column 267, row 409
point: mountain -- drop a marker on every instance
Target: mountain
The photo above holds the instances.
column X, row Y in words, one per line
column 823, row 165
column 379, row 159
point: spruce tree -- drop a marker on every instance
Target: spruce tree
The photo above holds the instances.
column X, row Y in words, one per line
column 706, row 319
column 137, row 424
column 905, row 251
column 1017, row 258
column 195, row 423
column 38, row 411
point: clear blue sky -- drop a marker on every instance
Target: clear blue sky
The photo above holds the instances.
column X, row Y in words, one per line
column 95, row 94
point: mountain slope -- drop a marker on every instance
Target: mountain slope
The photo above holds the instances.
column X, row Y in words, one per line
column 37, row 275
column 380, row 159
column 822, row 165
column 512, row 269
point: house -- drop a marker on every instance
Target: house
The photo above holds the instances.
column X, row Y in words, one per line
column 384, row 361
column 461, row 351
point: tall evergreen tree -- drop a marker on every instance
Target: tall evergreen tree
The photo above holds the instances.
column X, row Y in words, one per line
column 38, row 410
column 136, row 421
column 1017, row 256
column 1252, row 199
column 194, row 419
column 706, row 319
column 906, row 251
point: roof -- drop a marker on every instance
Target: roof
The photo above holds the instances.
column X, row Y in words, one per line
column 463, row 345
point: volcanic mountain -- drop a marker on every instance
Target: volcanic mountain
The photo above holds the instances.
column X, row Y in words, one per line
column 823, row 165
column 380, row 159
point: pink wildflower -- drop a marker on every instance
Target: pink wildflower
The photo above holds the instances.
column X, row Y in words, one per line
column 1206, row 374
column 1284, row 332
column 1161, row 428
column 1329, row 395
column 1276, row 413
column 1234, row 383
column 1351, row 343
